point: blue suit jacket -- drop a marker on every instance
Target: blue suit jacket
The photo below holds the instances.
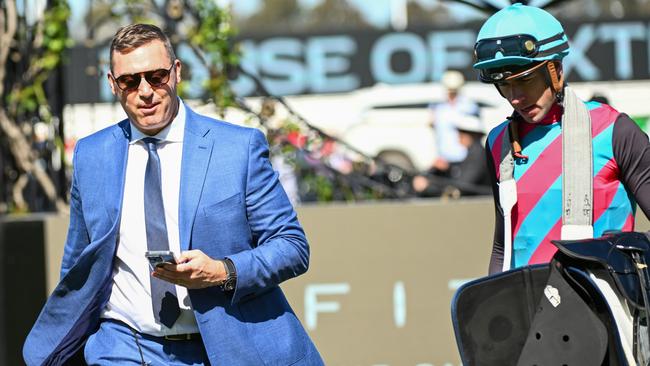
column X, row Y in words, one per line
column 231, row 205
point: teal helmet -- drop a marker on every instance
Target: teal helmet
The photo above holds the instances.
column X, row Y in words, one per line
column 518, row 38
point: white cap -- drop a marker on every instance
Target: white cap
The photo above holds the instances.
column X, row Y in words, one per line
column 452, row 80
column 469, row 123
column 41, row 131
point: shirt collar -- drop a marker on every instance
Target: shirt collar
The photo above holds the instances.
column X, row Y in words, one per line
column 173, row 132
column 553, row 115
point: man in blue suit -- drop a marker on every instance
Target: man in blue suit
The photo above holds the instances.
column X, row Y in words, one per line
column 168, row 178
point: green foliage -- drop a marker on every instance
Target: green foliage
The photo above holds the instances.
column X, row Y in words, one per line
column 643, row 122
column 320, row 185
column 325, row 170
column 213, row 36
column 25, row 99
column 36, row 51
column 55, row 35
column 26, row 94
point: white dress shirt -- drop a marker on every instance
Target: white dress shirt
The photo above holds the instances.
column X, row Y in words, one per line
column 130, row 300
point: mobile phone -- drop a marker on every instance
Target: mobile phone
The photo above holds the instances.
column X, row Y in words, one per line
column 159, row 257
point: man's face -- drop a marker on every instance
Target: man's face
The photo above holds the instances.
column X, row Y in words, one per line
column 150, row 108
column 530, row 96
column 452, row 94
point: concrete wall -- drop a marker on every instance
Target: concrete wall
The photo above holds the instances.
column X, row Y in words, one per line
column 381, row 279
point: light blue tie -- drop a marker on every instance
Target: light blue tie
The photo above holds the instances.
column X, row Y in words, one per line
column 163, row 293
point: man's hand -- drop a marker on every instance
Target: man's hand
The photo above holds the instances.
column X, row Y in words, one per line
column 441, row 164
column 420, row 183
column 195, row 270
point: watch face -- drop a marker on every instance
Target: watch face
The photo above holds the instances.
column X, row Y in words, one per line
column 229, row 285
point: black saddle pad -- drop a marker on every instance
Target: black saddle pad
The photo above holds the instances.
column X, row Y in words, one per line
column 492, row 315
column 531, row 316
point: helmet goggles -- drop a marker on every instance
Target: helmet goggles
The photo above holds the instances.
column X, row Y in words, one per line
column 506, row 73
column 518, row 45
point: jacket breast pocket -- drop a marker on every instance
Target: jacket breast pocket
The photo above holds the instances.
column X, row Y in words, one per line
column 231, row 203
column 222, row 228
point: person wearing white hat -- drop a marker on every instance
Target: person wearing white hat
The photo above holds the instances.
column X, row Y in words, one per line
column 468, row 177
column 471, row 174
column 443, row 117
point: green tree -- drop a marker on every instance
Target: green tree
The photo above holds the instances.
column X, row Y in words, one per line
column 29, row 53
column 421, row 16
column 285, row 15
column 335, row 14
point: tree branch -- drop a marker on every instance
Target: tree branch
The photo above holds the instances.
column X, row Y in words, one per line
column 8, row 28
column 24, row 156
column 17, row 193
column 199, row 55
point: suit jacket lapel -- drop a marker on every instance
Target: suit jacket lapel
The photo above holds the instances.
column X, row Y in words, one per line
column 197, row 149
column 114, row 168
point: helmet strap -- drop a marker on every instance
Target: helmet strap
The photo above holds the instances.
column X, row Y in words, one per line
column 499, row 90
column 556, row 86
column 515, row 142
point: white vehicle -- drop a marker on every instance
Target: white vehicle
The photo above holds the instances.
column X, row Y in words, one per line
column 401, row 134
column 396, row 134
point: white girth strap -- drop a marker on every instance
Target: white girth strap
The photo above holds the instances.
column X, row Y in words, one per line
column 577, row 169
column 507, row 195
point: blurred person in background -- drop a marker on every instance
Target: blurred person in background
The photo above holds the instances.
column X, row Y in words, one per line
column 520, row 50
column 467, row 178
column 169, row 179
column 443, row 117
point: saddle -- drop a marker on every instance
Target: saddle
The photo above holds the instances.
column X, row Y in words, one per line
column 567, row 312
column 619, row 254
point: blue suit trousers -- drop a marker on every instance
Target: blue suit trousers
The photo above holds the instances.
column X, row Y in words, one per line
column 115, row 343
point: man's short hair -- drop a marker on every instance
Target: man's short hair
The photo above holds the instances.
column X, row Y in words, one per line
column 133, row 36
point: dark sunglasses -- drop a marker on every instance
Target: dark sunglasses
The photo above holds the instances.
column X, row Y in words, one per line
column 154, row 78
column 522, row 45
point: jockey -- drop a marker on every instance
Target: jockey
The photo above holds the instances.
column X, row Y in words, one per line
column 520, row 50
